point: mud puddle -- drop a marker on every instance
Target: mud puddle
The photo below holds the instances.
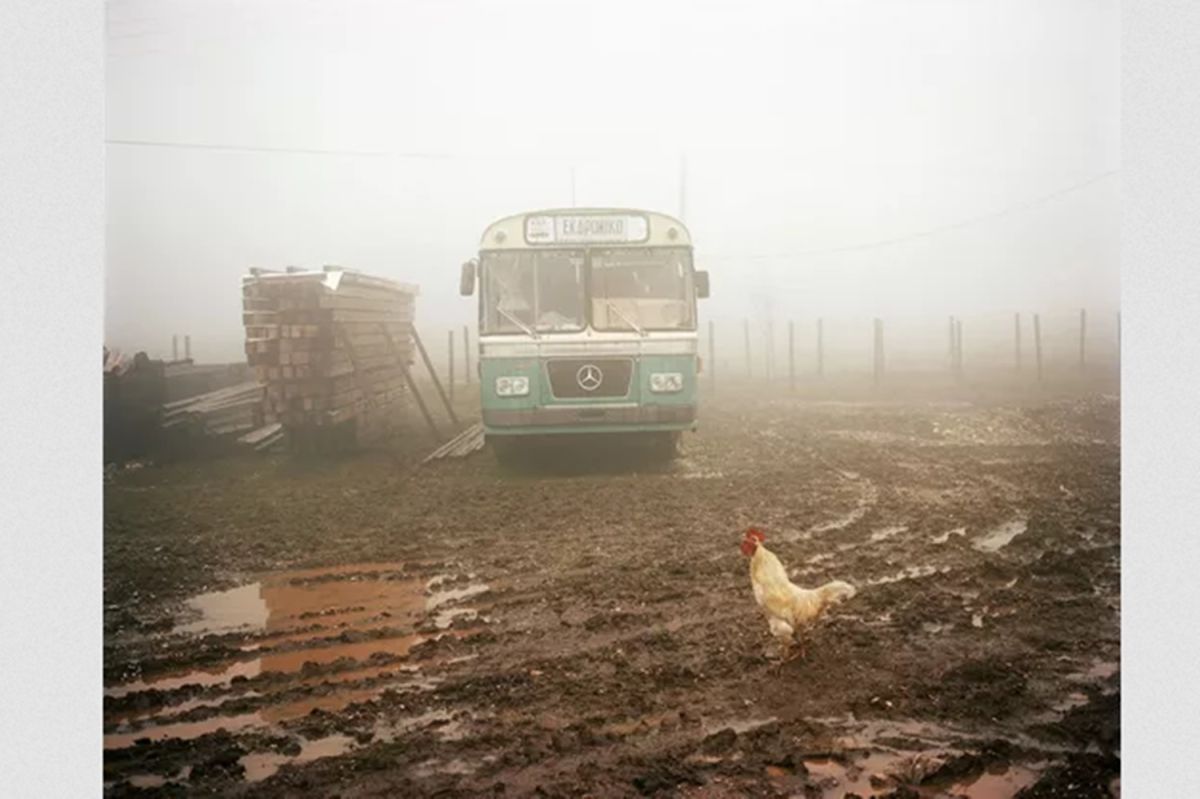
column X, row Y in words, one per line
column 147, row 781
column 351, row 614
column 346, row 601
column 910, row 573
column 879, row 774
column 446, row 725
column 944, row 537
column 288, row 599
column 740, row 726
column 261, row 765
column 885, row 533
column 1001, row 535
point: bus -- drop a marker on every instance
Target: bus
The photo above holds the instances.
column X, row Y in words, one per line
column 587, row 325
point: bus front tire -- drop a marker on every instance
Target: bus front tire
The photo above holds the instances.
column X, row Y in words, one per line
column 665, row 446
column 505, row 448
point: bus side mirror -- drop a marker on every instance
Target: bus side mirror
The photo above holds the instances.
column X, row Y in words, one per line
column 466, row 280
column 702, row 285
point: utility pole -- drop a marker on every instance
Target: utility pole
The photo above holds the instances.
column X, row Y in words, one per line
column 682, row 187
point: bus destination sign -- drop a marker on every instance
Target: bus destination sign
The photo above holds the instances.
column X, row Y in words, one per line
column 586, row 228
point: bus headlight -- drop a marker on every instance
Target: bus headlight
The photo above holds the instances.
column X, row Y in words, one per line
column 512, row 386
column 666, row 382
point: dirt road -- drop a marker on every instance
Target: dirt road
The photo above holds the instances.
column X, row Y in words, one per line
column 357, row 628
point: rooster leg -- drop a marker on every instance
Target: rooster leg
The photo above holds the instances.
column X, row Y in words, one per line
column 783, row 632
column 799, row 652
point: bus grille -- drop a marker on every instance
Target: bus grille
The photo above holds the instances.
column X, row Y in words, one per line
column 565, row 373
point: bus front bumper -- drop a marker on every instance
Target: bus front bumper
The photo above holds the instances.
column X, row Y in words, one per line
column 593, row 418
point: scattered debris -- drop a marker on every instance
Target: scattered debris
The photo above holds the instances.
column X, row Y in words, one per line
column 463, row 444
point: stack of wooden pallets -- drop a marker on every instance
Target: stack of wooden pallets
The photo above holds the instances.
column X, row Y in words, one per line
column 328, row 345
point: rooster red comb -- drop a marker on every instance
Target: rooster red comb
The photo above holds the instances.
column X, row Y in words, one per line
column 756, row 534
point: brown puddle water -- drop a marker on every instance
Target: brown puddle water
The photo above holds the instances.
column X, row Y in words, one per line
column 876, row 775
column 337, row 600
column 158, row 780
column 354, row 598
column 260, row 765
column 996, row 782
column 272, row 714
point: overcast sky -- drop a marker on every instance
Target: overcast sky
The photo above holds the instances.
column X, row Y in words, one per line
column 837, row 158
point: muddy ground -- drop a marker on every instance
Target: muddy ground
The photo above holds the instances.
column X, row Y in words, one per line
column 357, row 627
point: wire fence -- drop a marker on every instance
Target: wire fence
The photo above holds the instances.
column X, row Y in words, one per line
column 1036, row 346
column 1033, row 342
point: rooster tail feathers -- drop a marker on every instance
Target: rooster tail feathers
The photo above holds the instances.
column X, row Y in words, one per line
column 836, row 591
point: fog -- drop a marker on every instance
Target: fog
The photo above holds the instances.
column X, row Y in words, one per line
column 903, row 160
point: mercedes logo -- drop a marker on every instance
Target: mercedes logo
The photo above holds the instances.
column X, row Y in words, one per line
column 589, row 377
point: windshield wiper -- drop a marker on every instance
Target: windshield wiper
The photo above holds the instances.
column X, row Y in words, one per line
column 628, row 321
column 518, row 323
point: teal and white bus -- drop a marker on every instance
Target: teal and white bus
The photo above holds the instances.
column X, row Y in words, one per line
column 587, row 325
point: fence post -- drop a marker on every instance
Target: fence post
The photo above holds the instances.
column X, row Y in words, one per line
column 791, row 355
column 746, row 331
column 450, row 365
column 1017, row 338
column 467, row 354
column 1037, row 344
column 712, row 356
column 878, row 325
column 958, row 349
column 1082, row 336
column 820, row 347
column 953, row 349
column 769, row 350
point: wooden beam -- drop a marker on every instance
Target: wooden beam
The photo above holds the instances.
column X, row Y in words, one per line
column 433, row 374
column 412, row 384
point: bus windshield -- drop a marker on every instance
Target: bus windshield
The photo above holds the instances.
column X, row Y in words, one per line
column 642, row 289
column 533, row 291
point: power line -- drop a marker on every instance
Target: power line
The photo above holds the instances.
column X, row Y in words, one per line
column 246, row 148
column 870, row 245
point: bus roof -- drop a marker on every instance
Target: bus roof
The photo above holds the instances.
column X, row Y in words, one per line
column 610, row 227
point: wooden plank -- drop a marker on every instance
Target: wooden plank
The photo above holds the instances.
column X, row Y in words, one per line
column 412, row 385
column 462, row 443
column 433, row 375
